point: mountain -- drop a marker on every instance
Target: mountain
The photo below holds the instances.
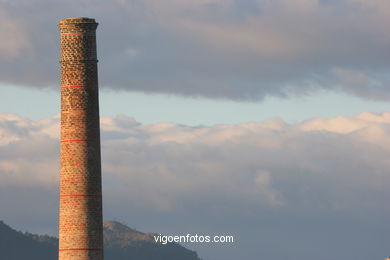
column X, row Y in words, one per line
column 16, row 245
column 124, row 243
column 120, row 243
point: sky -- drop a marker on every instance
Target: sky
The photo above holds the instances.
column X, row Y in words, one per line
column 266, row 120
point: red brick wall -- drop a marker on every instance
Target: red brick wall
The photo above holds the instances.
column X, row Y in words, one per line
column 80, row 226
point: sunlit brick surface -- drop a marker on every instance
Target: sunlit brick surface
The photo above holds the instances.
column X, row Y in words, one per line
column 80, row 226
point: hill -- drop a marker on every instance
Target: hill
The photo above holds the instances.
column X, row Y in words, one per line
column 16, row 245
column 120, row 243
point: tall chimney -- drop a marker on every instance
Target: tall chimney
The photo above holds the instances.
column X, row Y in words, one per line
column 80, row 220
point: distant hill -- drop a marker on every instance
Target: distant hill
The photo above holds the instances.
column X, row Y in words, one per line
column 120, row 242
column 124, row 243
column 16, row 245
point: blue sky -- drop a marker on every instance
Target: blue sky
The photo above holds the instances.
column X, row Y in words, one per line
column 42, row 103
column 267, row 120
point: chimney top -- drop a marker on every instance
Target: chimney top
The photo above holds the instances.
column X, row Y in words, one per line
column 77, row 24
column 77, row 20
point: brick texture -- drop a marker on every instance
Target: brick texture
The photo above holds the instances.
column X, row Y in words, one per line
column 80, row 223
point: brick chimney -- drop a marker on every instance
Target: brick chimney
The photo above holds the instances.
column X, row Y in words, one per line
column 80, row 220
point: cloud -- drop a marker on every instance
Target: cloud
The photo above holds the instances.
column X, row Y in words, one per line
column 14, row 39
column 371, row 85
column 319, row 182
column 240, row 50
column 256, row 163
column 23, row 161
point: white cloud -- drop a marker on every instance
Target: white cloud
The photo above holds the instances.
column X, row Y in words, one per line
column 263, row 182
column 163, row 165
column 28, row 152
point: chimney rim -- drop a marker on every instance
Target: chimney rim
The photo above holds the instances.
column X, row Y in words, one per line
column 77, row 20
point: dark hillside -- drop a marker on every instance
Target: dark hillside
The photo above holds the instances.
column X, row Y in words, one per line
column 120, row 242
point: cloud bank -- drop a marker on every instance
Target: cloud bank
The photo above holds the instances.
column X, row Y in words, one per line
column 232, row 49
column 322, row 183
